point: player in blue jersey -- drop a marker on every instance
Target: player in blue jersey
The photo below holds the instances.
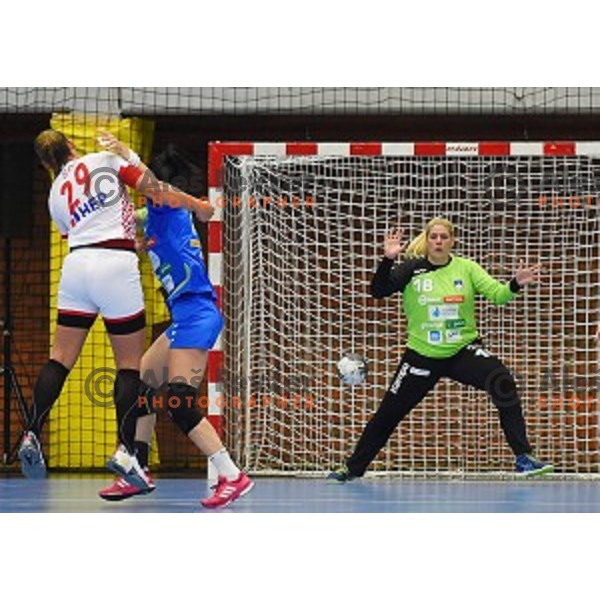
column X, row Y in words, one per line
column 179, row 356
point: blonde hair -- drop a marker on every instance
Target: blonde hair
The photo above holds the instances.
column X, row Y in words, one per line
column 418, row 247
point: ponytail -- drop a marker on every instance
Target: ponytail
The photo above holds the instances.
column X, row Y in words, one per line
column 418, row 247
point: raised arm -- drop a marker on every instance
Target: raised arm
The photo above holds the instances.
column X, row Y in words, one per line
column 147, row 183
column 501, row 293
column 390, row 277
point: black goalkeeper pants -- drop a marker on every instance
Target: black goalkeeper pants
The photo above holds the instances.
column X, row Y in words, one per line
column 417, row 375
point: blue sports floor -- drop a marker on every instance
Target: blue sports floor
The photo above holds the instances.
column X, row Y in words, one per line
column 278, row 495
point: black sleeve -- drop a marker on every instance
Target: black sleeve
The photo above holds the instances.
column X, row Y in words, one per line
column 391, row 278
column 515, row 288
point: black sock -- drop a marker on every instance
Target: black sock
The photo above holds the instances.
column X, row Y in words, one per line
column 146, row 400
column 127, row 386
column 46, row 391
column 141, row 451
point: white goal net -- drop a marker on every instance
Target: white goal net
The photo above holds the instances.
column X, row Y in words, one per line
column 303, row 236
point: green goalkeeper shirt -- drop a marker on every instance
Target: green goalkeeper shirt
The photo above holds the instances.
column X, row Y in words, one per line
column 439, row 300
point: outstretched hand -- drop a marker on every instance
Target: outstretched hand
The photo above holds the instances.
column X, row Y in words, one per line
column 112, row 144
column 526, row 275
column 392, row 245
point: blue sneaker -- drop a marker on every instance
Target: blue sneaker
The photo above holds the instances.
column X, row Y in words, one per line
column 33, row 465
column 529, row 466
column 341, row 475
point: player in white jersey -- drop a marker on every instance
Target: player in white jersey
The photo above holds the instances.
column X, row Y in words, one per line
column 88, row 201
column 91, row 207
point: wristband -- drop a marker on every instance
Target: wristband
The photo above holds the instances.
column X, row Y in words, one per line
column 134, row 160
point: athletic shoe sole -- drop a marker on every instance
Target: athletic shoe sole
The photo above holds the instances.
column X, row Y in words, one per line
column 331, row 478
column 545, row 470
column 116, row 498
column 240, row 495
column 335, row 481
column 131, row 477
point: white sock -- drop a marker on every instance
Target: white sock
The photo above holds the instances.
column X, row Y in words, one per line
column 224, row 465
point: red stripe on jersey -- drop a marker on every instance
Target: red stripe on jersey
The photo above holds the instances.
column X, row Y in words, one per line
column 125, row 319
column 130, row 175
column 110, row 244
column 76, row 313
column 128, row 219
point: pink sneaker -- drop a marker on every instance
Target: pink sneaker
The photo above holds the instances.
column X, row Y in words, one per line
column 228, row 491
column 121, row 490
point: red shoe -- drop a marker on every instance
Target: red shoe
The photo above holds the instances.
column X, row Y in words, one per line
column 121, row 490
column 228, row 491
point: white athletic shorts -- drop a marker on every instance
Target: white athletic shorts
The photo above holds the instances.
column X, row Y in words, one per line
column 101, row 281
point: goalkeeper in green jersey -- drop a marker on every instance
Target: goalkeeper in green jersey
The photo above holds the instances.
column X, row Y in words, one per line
column 439, row 291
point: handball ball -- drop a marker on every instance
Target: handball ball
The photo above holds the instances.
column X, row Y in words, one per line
column 352, row 369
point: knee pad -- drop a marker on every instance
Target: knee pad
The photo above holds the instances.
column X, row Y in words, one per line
column 182, row 401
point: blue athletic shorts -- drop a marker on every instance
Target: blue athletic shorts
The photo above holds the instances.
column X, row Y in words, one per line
column 196, row 322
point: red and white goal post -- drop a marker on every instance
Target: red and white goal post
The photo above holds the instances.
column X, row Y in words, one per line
column 297, row 235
